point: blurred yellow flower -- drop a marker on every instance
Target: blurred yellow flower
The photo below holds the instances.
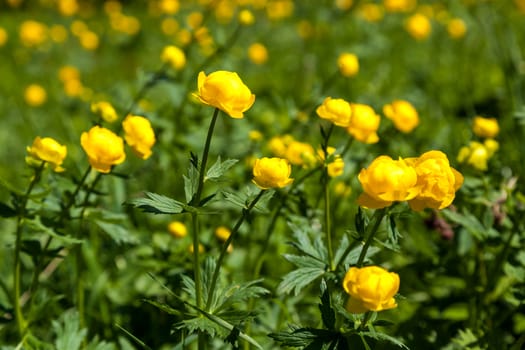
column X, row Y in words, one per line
column 386, row 181
column 272, row 173
column 169, row 26
column 485, row 127
column 201, row 248
column 103, row 147
column 418, row 26
column 195, row 19
column 173, row 56
column 67, row 7
column 35, row 95
column 436, row 179
column 477, row 154
column 32, row 33
column 279, row 9
column 257, row 53
column 58, row 33
column 371, row 12
column 66, row 73
column 341, row 189
column 337, row 110
column 300, row 153
column 139, row 135
column 279, row 144
column 169, row 7
column 222, row 233
column 255, row 135
column 89, row 40
column 246, row 17
column 364, row 123
column 456, row 28
column 3, row 36
column 399, row 5
column 348, row 64
column 177, row 229
column 48, row 150
column 403, row 115
column 104, row 110
column 225, row 91
column 344, row 4
column 371, row 288
column 335, row 166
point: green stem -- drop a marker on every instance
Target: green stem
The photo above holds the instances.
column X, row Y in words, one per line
column 225, row 246
column 365, row 320
column 371, row 230
column 327, row 220
column 196, row 263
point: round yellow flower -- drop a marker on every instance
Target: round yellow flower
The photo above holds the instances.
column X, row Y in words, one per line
column 173, row 56
column 272, row 173
column 386, row 181
column 485, row 127
column 169, row 7
column 348, row 64
column 139, row 135
column 48, row 150
column 257, row 53
column 436, row 179
column 103, row 147
column 364, row 123
column 456, row 28
column 35, row 95
column 33, row 33
column 177, row 229
column 403, row 115
column 105, row 110
column 222, row 233
column 225, row 91
column 246, row 17
column 370, row 12
column 299, row 153
column 336, row 110
column 371, row 288
column 418, row 26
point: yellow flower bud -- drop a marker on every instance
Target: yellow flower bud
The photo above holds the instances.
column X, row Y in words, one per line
column 35, row 95
column 139, row 135
column 48, row 150
column 337, row 110
column 177, row 229
column 104, row 110
column 485, row 127
column 364, row 123
column 403, row 115
column 386, row 181
column 436, row 179
column 348, row 64
column 174, row 56
column 103, row 148
column 272, row 173
column 258, row 53
column 418, row 26
column 371, row 288
column 225, row 91
column 222, row 233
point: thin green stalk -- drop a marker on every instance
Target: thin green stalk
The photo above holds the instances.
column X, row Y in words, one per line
column 225, row 246
column 327, row 220
column 370, row 231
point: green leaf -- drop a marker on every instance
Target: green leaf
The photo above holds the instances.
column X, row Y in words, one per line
column 327, row 312
column 191, row 183
column 470, row 223
column 37, row 226
column 304, row 261
column 384, row 337
column 119, row 234
column 158, row 204
column 164, row 307
column 69, row 334
column 302, row 337
column 297, row 279
column 6, row 211
column 218, row 169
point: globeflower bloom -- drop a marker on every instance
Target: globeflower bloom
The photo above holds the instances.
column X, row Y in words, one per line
column 104, row 110
column 48, row 150
column 348, row 64
column 300, row 153
column 103, row 147
column 257, row 53
column 386, row 181
column 456, row 28
column 139, row 135
column 403, row 115
column 364, row 123
column 271, row 173
column 418, row 26
column 173, row 56
column 371, row 288
column 477, row 154
column 177, row 229
column 35, row 95
column 436, row 179
column 336, row 110
column 336, row 165
column 225, row 91
column 485, row 127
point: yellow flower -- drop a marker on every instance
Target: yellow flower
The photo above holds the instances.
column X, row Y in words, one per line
column 341, row 189
column 35, row 95
column 299, row 153
column 348, row 64
column 67, row 7
column 105, row 110
column 139, row 135
column 336, row 110
column 403, row 114
column 477, row 154
column 336, row 164
column 456, row 28
column 386, row 181
column 399, row 5
column 177, row 229
column 344, row 4
column 225, row 91
column 48, row 150
column 32, row 33
column 246, row 17
column 222, row 233
column 174, row 56
column 436, row 179
column 89, row 40
column 103, row 148
column 3, row 36
column 272, row 173
column 371, row 288
column 485, row 127
column 258, row 53
column 371, row 12
column 67, row 73
column 201, row 248
column 364, row 123
column 255, row 135
column 169, row 7
column 418, row 26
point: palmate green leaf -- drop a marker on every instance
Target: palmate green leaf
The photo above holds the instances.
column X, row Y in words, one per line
column 219, row 168
column 297, row 279
column 302, row 230
column 242, row 199
column 69, row 336
column 36, row 225
column 158, row 204
column 384, row 337
column 303, row 337
column 117, row 232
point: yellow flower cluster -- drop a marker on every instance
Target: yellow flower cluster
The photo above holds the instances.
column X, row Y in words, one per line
column 425, row 182
column 371, row 288
column 296, row 152
column 477, row 154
